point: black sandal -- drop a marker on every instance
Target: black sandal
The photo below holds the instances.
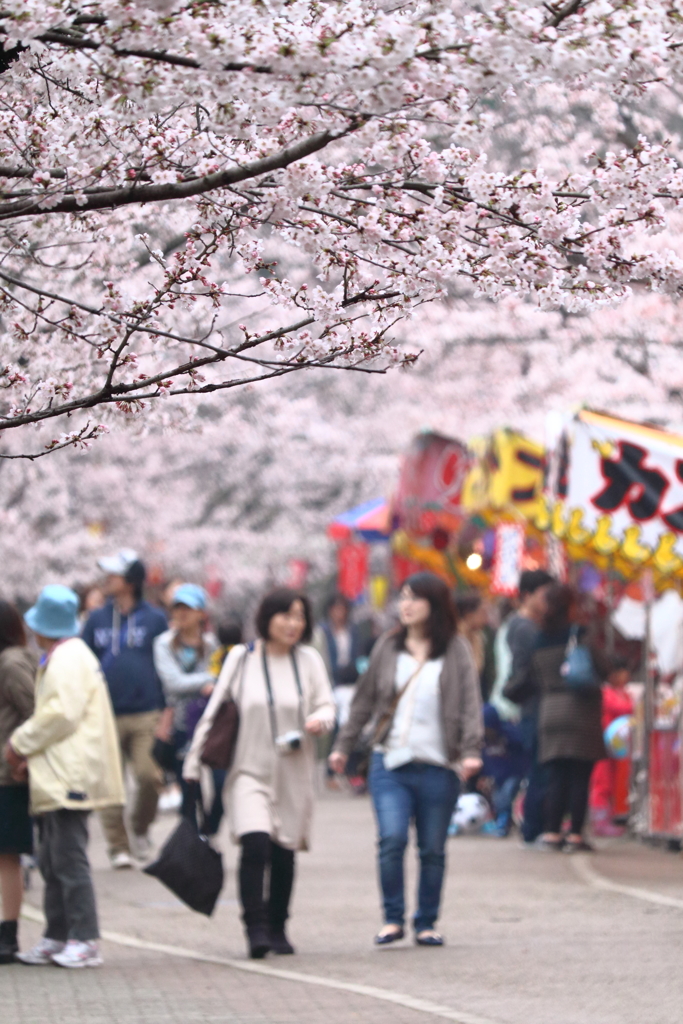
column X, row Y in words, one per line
column 388, row 937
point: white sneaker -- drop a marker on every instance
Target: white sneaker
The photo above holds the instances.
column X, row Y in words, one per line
column 78, row 954
column 121, row 860
column 41, row 953
column 170, row 800
column 142, row 847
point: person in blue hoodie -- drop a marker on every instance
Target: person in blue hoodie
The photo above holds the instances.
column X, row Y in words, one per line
column 122, row 636
column 505, row 764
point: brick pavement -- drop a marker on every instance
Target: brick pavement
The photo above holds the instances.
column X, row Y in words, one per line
column 527, row 941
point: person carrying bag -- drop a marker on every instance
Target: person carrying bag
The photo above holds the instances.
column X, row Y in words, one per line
column 422, row 686
column 270, row 701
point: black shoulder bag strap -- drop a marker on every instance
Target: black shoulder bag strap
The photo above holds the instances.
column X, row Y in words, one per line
column 269, row 691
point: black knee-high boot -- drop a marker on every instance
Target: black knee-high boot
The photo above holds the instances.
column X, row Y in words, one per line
column 253, row 865
column 281, row 884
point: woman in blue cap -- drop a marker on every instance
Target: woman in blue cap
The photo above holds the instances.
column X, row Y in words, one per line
column 70, row 747
column 182, row 657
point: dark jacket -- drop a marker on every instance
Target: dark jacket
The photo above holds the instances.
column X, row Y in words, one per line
column 522, row 685
column 460, row 698
column 503, row 755
column 125, row 646
column 569, row 723
column 18, row 669
column 342, row 675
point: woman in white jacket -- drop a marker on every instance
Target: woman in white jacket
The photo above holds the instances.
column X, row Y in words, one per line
column 70, row 747
column 285, row 700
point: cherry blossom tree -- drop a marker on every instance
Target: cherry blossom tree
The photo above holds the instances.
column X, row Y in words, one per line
column 154, row 156
column 258, row 484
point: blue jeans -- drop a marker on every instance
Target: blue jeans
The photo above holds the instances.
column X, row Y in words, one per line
column 425, row 794
column 537, row 786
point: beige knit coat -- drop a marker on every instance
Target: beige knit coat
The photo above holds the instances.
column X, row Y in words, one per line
column 267, row 791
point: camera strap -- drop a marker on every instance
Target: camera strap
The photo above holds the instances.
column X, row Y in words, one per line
column 269, row 691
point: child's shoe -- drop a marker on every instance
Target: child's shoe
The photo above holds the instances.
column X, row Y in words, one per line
column 602, row 824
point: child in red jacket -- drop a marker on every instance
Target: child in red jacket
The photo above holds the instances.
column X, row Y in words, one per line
column 610, row 777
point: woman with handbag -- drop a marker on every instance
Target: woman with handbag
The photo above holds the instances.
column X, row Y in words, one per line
column 569, row 724
column 282, row 700
column 422, row 688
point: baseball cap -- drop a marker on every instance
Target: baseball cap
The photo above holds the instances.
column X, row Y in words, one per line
column 120, row 563
column 191, row 595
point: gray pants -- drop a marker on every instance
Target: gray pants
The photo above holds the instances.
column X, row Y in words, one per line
column 69, row 900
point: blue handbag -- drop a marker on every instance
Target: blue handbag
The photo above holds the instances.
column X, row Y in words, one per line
column 577, row 669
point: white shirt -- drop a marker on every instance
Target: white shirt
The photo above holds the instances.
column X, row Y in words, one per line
column 417, row 732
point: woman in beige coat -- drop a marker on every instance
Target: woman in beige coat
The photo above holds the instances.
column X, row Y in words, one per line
column 70, row 747
column 285, row 700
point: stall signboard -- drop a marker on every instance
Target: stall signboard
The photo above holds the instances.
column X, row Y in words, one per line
column 429, row 494
column 617, row 488
column 507, row 475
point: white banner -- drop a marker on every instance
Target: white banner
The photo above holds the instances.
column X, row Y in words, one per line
column 623, row 490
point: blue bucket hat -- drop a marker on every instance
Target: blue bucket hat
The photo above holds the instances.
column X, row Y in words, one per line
column 191, row 595
column 55, row 613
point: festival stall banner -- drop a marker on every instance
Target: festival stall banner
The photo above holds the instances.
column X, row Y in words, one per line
column 507, row 559
column 507, row 475
column 429, row 493
column 618, row 488
column 352, row 568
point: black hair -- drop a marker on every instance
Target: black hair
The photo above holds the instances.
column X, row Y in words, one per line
column 229, row 633
column 440, row 627
column 618, row 664
column 558, row 606
column 336, row 598
column 466, row 602
column 135, row 576
column 532, row 579
column 281, row 600
column 12, row 632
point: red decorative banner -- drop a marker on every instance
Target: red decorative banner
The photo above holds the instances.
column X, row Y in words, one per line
column 297, row 573
column 352, row 563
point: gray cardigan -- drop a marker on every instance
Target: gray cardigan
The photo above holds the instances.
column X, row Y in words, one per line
column 460, row 698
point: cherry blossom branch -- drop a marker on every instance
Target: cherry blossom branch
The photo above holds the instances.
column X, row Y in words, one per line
column 108, row 199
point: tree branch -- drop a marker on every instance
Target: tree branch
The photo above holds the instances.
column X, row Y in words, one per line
column 169, row 191
column 62, row 37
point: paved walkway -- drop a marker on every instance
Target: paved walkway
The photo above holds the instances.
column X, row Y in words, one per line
column 531, row 937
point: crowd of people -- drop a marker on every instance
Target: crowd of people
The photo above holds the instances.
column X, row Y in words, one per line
column 436, row 706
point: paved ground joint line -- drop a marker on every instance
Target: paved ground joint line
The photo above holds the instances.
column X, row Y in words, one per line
column 370, row 991
column 584, row 869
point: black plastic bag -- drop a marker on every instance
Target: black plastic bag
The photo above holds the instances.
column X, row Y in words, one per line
column 190, row 868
